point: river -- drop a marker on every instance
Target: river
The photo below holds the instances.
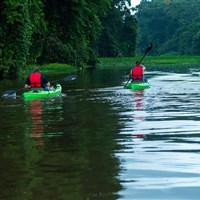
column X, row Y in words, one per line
column 101, row 141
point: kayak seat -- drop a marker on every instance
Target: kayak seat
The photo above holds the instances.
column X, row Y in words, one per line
column 35, row 90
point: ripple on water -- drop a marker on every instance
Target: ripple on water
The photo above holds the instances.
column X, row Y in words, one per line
column 164, row 164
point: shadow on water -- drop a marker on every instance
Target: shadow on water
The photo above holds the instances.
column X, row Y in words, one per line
column 101, row 141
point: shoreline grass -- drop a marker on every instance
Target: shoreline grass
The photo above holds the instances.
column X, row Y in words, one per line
column 49, row 69
column 151, row 61
column 52, row 67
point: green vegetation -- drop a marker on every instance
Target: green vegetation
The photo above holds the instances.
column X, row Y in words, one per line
column 152, row 61
column 171, row 25
column 149, row 61
column 56, row 67
column 68, row 32
column 78, row 32
column 119, row 32
column 51, row 68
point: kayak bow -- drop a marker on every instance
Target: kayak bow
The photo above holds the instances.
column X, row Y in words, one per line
column 41, row 93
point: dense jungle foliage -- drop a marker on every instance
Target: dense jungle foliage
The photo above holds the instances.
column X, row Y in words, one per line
column 63, row 31
column 173, row 26
column 78, row 32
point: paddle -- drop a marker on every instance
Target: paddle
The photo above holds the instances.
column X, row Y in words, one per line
column 148, row 49
column 10, row 93
column 66, row 78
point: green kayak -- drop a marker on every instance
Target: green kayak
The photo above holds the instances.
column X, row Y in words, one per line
column 137, row 85
column 41, row 93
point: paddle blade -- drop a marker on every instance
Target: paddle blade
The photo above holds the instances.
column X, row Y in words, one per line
column 149, row 48
column 9, row 93
column 70, row 78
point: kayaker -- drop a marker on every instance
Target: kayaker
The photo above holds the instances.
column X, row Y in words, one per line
column 137, row 72
column 36, row 80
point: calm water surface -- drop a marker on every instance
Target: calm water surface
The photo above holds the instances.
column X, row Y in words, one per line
column 101, row 141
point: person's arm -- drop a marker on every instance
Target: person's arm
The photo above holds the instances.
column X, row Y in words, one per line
column 45, row 82
column 48, row 84
column 143, row 68
column 130, row 74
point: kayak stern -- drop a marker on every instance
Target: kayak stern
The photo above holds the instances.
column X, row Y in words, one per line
column 137, row 85
column 41, row 93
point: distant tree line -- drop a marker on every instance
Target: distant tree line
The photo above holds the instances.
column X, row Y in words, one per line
column 173, row 26
column 75, row 32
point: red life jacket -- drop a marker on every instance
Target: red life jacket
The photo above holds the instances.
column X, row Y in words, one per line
column 137, row 72
column 35, row 80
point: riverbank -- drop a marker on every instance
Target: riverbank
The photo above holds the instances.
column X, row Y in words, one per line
column 152, row 61
column 52, row 67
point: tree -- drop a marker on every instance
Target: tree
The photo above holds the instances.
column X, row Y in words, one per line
column 171, row 25
column 72, row 27
column 63, row 31
column 119, row 33
column 17, row 25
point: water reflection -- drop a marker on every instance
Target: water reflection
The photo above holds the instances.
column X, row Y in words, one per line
column 138, row 98
column 164, row 161
column 37, row 127
column 44, row 115
column 82, row 146
column 73, row 161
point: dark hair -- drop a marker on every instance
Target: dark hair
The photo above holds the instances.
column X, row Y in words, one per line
column 36, row 70
column 137, row 62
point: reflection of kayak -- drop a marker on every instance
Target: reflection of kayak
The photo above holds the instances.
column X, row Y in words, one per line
column 41, row 93
column 137, row 85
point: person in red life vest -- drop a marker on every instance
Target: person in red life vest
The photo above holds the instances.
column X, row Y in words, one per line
column 36, row 80
column 137, row 72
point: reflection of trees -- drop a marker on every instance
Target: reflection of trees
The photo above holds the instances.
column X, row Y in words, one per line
column 98, row 78
column 18, row 153
column 81, row 162
column 76, row 160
